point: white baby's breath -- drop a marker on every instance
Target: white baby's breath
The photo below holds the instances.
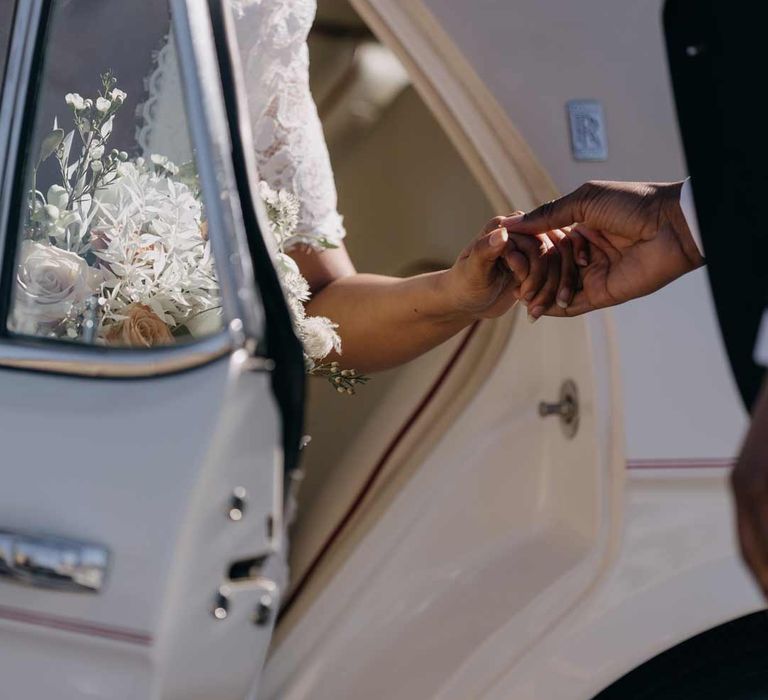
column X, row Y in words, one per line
column 319, row 335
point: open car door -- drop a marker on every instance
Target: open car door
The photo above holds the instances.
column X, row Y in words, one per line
column 150, row 382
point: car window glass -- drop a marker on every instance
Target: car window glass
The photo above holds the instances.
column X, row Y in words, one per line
column 113, row 245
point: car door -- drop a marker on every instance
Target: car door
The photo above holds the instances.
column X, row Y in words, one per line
column 150, row 381
column 494, row 507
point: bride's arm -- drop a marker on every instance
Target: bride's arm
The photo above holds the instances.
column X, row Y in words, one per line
column 387, row 321
column 383, row 321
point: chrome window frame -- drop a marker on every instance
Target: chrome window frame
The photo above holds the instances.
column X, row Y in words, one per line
column 5, row 38
column 207, row 119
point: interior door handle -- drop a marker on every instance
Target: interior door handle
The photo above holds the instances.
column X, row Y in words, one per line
column 567, row 408
column 52, row 562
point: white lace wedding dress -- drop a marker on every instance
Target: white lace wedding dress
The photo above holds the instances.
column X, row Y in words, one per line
column 291, row 153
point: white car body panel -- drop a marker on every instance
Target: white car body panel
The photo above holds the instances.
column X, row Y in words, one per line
column 507, row 523
column 677, row 575
column 152, row 466
column 513, row 562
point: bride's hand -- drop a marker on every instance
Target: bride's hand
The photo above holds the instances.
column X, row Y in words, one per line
column 498, row 268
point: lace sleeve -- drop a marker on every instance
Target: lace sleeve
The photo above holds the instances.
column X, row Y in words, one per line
column 291, row 152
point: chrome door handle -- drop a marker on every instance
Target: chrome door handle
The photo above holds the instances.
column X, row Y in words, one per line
column 567, row 408
column 52, row 562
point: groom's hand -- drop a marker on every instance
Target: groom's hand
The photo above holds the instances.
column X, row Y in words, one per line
column 638, row 239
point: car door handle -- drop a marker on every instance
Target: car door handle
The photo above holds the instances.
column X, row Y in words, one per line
column 52, row 562
column 567, row 408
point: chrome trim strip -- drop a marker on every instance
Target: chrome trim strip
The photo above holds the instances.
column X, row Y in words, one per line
column 20, row 57
column 52, row 562
column 67, row 624
column 124, row 363
column 208, row 130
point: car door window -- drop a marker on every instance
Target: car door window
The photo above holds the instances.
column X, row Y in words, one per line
column 112, row 244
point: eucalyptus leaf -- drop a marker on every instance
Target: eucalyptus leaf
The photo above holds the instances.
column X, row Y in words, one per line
column 50, row 144
column 66, row 147
column 106, row 129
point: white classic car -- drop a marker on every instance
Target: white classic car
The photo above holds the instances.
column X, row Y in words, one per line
column 528, row 512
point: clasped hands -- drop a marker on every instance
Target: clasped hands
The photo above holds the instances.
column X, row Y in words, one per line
column 601, row 245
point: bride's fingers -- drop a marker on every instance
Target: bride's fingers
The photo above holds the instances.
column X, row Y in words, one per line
column 547, row 294
column 493, row 224
column 537, row 252
column 488, row 249
column 578, row 306
column 517, row 263
column 568, row 273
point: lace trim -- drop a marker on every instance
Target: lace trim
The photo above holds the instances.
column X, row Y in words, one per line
column 153, row 85
column 290, row 147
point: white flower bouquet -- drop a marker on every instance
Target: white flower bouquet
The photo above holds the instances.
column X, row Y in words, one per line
column 317, row 333
column 117, row 251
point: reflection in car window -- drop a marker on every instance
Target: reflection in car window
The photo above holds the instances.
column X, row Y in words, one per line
column 6, row 19
column 113, row 243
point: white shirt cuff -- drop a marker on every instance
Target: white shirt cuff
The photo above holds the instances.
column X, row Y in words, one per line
column 689, row 213
column 761, row 346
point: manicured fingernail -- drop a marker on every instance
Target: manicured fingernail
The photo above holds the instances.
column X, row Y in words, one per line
column 536, row 312
column 531, row 319
column 498, row 238
column 582, row 260
column 564, row 298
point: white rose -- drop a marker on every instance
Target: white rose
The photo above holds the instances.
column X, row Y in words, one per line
column 319, row 336
column 103, row 105
column 50, row 280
